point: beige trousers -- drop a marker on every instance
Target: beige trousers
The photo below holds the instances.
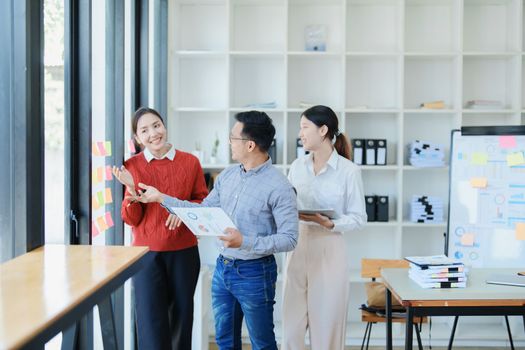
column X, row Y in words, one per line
column 315, row 295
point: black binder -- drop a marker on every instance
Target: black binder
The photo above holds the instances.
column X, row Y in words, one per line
column 382, row 208
column 358, row 146
column 370, row 152
column 381, row 152
column 371, row 207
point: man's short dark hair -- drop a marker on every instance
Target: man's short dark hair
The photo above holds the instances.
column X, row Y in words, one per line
column 258, row 127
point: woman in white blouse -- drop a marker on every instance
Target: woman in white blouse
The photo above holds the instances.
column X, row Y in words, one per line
column 316, row 282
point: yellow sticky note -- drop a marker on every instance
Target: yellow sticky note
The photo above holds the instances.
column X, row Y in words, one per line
column 478, row 182
column 520, row 231
column 479, row 158
column 102, row 223
column 467, row 239
column 94, row 202
column 94, row 149
column 94, row 178
column 100, row 174
column 108, row 148
column 109, row 198
column 515, row 159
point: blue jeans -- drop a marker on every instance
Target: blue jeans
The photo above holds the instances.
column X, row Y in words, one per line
column 244, row 288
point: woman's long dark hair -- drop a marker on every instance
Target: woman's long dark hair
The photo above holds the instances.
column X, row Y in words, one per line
column 322, row 115
column 135, row 120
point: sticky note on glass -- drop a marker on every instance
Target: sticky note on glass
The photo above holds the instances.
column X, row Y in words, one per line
column 507, row 141
column 108, row 173
column 107, row 145
column 479, row 158
column 102, row 223
column 520, row 231
column 100, row 174
column 131, row 147
column 94, row 149
column 478, row 182
column 467, row 239
column 94, row 230
column 514, row 159
column 94, row 202
column 108, row 197
column 109, row 220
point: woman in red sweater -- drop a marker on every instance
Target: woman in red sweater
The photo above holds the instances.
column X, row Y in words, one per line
column 164, row 288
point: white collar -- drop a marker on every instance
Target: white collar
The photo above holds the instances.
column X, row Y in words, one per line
column 332, row 161
column 149, row 156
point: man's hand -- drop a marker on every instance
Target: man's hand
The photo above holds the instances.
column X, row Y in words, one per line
column 318, row 218
column 173, row 222
column 232, row 239
column 149, row 194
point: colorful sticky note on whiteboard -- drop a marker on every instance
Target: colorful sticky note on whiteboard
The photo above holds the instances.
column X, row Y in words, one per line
column 94, row 202
column 94, row 149
column 507, row 141
column 467, row 239
column 478, row 182
column 516, row 158
column 100, row 174
column 479, row 158
column 520, row 231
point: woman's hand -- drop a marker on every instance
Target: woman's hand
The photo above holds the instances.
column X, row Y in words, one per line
column 124, row 177
column 173, row 222
column 149, row 194
column 319, row 219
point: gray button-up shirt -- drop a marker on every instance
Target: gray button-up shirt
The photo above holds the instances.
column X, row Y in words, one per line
column 261, row 203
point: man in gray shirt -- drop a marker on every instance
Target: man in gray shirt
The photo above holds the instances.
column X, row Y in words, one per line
column 262, row 204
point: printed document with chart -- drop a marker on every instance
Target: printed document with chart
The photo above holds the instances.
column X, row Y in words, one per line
column 204, row 221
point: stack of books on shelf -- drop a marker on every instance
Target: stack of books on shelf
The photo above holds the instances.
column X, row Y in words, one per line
column 426, row 209
column 484, row 104
column 426, row 154
column 437, row 271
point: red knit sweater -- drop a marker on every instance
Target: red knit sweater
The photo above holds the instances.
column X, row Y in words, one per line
column 181, row 178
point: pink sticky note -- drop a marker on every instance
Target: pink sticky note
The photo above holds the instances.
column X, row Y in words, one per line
column 467, row 239
column 131, row 147
column 507, row 141
column 94, row 230
column 109, row 220
column 108, row 173
column 101, row 149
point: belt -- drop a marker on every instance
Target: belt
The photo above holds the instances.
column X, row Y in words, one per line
column 231, row 260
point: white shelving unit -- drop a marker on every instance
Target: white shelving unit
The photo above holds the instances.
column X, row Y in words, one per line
column 383, row 58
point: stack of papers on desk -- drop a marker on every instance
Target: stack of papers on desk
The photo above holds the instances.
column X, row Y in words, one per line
column 425, row 209
column 437, row 271
column 426, row 154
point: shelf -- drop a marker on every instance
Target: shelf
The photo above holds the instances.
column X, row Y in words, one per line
column 429, row 111
column 374, row 54
column 198, row 109
column 350, row 110
column 381, row 224
column 489, row 111
column 200, row 53
column 256, row 54
column 492, row 54
column 379, row 167
column 432, row 54
column 413, row 168
column 416, row 224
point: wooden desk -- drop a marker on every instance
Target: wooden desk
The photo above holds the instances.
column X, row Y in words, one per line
column 478, row 299
column 49, row 289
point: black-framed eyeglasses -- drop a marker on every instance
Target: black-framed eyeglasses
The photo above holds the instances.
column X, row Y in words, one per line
column 230, row 138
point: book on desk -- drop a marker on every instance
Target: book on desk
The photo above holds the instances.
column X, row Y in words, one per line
column 437, row 271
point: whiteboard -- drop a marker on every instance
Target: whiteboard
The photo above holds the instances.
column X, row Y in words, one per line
column 486, row 221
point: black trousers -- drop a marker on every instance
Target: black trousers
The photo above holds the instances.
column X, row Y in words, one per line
column 164, row 299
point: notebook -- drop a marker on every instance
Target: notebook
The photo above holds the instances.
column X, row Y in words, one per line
column 506, row 279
